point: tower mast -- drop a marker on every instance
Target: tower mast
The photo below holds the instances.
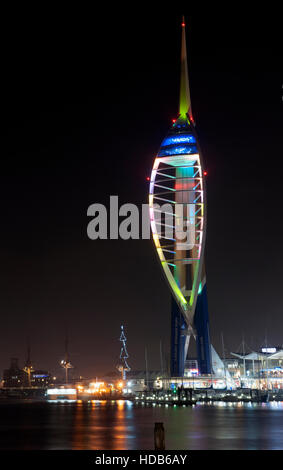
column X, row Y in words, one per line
column 123, row 366
column 28, row 365
column 65, row 363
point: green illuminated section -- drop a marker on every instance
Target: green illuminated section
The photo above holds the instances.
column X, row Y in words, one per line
column 185, row 100
column 174, row 285
column 192, row 298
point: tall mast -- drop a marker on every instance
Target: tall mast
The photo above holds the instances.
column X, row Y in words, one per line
column 161, row 358
column 28, row 366
column 65, row 363
column 185, row 107
column 123, row 366
column 244, row 357
column 146, row 366
column 66, row 357
column 223, row 354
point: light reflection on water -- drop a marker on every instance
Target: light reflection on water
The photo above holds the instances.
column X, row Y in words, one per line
column 117, row 425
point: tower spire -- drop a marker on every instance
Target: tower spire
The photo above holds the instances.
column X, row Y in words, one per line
column 185, row 107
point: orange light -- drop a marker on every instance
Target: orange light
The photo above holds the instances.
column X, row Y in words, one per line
column 96, row 385
column 120, row 384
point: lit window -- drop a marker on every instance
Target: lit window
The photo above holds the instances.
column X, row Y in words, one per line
column 178, row 150
column 179, row 139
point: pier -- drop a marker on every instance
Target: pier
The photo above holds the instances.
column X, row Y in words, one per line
column 193, row 397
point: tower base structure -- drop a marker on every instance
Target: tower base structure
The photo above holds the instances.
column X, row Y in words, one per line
column 179, row 341
column 201, row 326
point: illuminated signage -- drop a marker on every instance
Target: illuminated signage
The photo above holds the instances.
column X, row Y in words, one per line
column 269, row 350
column 61, row 391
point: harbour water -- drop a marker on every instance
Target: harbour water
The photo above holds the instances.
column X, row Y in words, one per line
column 122, row 425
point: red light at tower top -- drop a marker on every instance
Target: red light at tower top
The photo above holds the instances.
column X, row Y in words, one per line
column 205, row 173
column 183, row 24
column 147, row 178
column 173, row 120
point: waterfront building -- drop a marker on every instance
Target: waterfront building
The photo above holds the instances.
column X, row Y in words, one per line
column 40, row 378
column 14, row 376
column 26, row 377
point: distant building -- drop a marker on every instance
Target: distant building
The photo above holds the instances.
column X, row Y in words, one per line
column 40, row 378
column 17, row 377
column 191, row 367
column 14, row 376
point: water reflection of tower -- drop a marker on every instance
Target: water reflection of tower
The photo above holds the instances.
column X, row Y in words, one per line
column 123, row 365
column 65, row 363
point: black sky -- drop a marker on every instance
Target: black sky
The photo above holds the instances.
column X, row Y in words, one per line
column 85, row 104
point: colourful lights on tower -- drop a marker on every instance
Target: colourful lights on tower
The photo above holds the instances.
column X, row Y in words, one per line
column 177, row 179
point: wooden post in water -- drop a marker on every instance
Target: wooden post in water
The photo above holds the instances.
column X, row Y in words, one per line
column 159, row 436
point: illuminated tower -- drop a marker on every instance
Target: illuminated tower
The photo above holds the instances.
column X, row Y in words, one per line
column 123, row 366
column 177, row 205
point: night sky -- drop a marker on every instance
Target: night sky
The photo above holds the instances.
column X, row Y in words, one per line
column 85, row 102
